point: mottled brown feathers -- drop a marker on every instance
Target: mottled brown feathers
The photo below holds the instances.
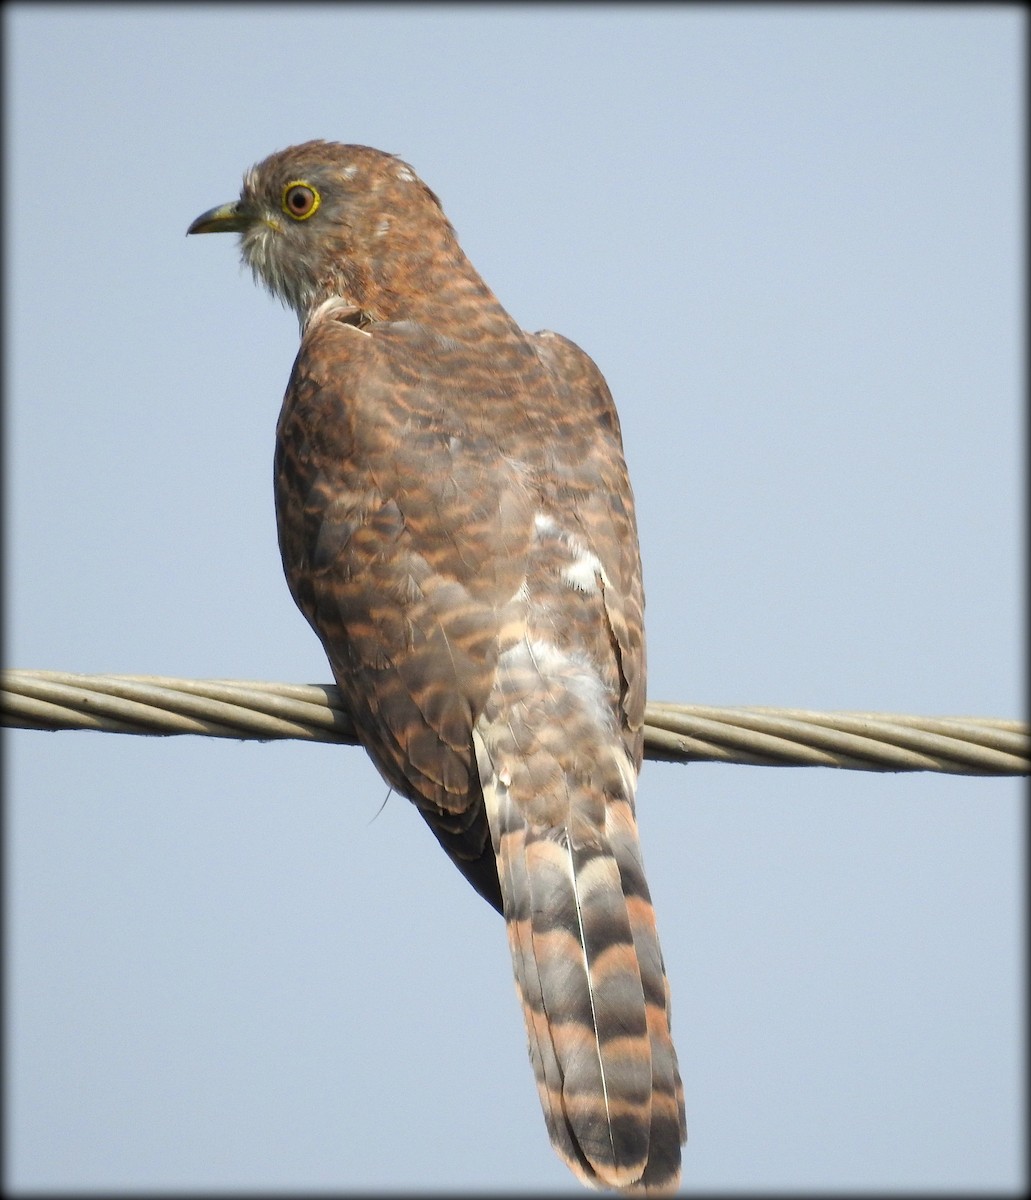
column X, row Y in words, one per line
column 456, row 523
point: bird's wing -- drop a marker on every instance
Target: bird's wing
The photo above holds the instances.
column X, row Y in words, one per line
column 605, row 517
column 403, row 538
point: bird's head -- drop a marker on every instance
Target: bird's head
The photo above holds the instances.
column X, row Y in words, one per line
column 321, row 220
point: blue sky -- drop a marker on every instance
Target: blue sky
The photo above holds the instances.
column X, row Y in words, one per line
column 792, row 239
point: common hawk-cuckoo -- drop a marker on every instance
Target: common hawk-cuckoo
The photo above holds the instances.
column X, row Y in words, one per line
column 457, row 525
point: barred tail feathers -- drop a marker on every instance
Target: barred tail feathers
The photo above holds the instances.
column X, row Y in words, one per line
column 668, row 1116
column 590, row 978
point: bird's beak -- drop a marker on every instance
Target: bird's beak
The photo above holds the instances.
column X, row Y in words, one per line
column 227, row 218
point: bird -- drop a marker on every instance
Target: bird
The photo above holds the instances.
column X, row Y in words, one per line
column 456, row 523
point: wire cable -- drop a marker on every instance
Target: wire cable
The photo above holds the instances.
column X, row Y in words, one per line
column 228, row 708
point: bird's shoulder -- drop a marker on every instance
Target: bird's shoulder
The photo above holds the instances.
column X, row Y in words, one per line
column 578, row 376
column 369, row 436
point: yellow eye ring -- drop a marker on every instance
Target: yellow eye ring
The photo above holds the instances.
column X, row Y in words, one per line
column 300, row 200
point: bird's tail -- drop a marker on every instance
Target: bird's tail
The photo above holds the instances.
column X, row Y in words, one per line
column 590, row 976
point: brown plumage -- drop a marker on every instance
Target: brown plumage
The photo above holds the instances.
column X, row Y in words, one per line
column 457, row 525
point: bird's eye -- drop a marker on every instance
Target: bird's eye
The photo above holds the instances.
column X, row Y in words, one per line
column 300, row 200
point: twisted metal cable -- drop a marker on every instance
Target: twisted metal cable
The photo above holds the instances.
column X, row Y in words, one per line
column 231, row 708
